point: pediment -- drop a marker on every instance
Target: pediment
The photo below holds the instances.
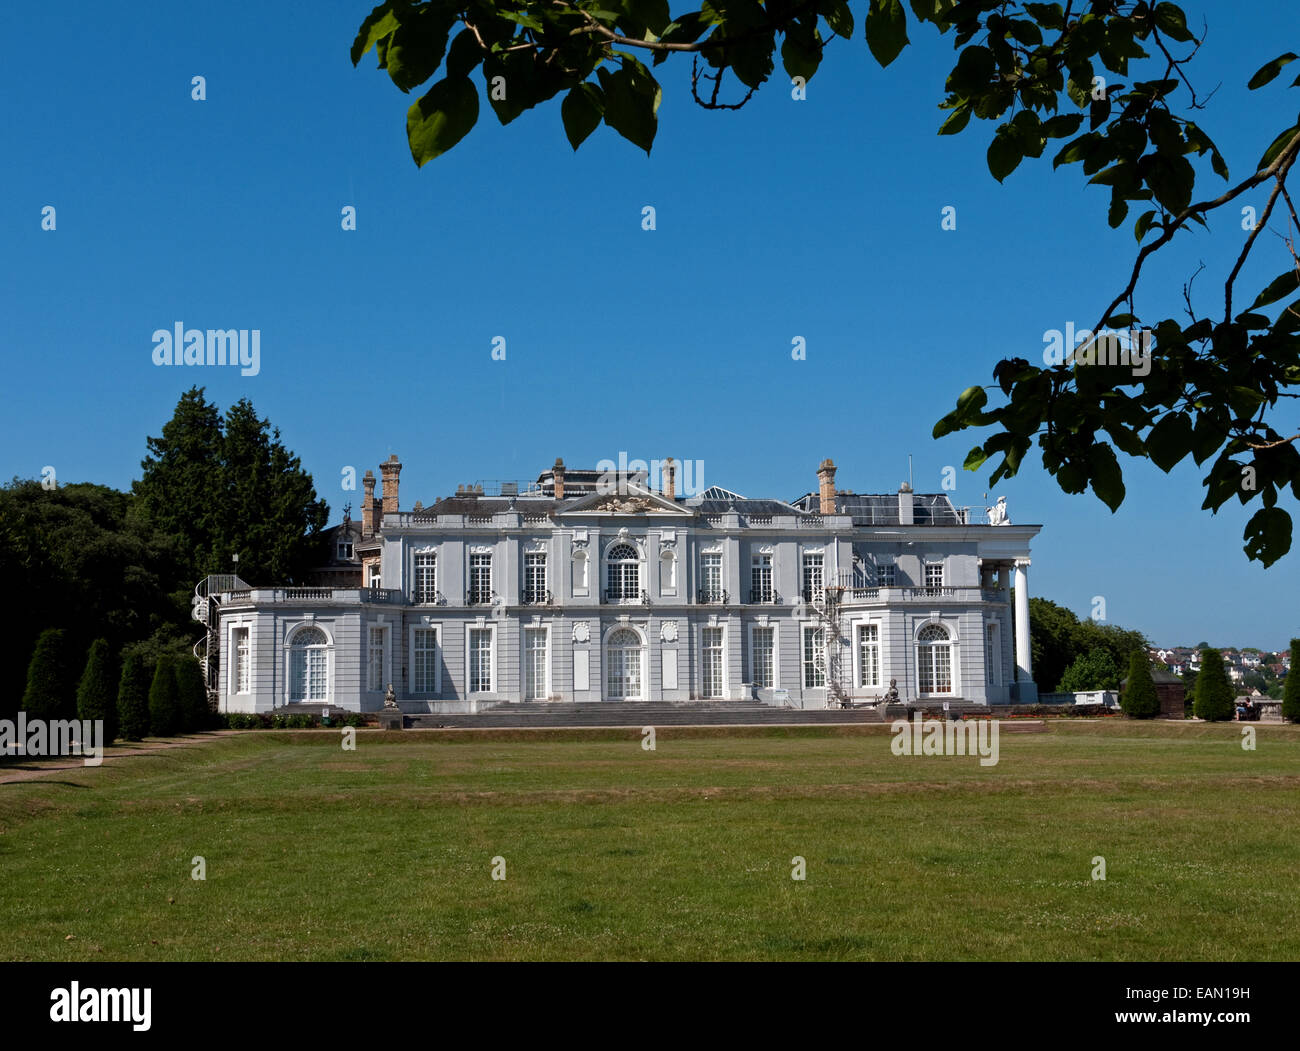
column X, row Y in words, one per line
column 633, row 500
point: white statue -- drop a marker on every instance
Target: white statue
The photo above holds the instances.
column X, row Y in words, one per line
column 998, row 512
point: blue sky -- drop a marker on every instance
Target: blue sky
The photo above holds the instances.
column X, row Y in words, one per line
column 818, row 218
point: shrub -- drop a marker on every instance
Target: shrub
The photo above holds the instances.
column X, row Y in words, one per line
column 133, row 699
column 191, row 695
column 1140, row 700
column 1213, row 691
column 97, row 691
column 49, row 692
column 164, row 700
column 1095, row 670
column 1291, row 690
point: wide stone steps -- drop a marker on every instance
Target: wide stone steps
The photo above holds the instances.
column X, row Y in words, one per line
column 641, row 713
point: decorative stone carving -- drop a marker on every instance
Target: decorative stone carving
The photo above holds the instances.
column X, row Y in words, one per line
column 581, row 632
column 668, row 631
column 390, row 699
column 998, row 512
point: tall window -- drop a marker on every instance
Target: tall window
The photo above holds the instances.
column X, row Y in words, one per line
column 814, row 658
column 534, row 664
column 426, row 578
column 992, row 655
column 711, row 578
column 712, row 663
column 480, row 579
column 885, row 575
column 624, row 567
column 868, row 655
column 623, row 661
column 309, row 666
column 345, row 550
column 934, row 660
column 760, row 579
column 534, row 577
column 761, row 656
column 243, row 663
column 375, row 577
column 812, row 577
column 934, row 575
column 424, row 661
column 375, row 660
column 480, row 660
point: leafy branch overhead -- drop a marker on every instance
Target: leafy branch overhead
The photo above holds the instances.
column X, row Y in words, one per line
column 1106, row 83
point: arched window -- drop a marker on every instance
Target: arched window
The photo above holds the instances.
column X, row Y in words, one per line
column 623, row 653
column 309, row 665
column 934, row 660
column 623, row 567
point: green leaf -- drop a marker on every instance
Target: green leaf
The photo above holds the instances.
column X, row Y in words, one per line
column 1170, row 19
column 378, row 24
column 974, row 459
column 1268, row 535
column 582, row 110
column 1282, row 285
column 886, row 30
column 840, row 19
column 1143, row 224
column 1269, row 70
column 1170, row 440
column 1104, row 474
column 1049, row 16
column 441, row 118
column 1004, row 153
column 1278, row 145
column 957, row 120
column 416, row 49
column 463, row 55
column 799, row 58
column 631, row 102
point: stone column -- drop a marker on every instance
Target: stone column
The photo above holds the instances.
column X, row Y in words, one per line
column 1025, row 688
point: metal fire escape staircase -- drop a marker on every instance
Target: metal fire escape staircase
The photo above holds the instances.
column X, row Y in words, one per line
column 827, row 603
column 205, row 609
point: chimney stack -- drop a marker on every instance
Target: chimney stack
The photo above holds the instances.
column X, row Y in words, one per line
column 905, row 504
column 670, row 479
column 390, row 469
column 826, row 482
column 368, row 504
column 557, row 473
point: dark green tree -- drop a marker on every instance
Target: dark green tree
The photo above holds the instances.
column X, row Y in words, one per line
column 164, row 700
column 1213, row 691
column 1030, row 68
column 50, row 692
column 133, row 699
column 1058, row 638
column 97, row 691
column 1094, row 670
column 191, row 695
column 1291, row 688
column 224, row 487
column 1139, row 699
column 81, row 563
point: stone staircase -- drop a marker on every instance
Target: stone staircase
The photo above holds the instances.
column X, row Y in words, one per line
column 642, row 713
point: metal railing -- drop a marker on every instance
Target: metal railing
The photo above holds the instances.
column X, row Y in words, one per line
column 535, row 597
column 711, row 596
column 763, row 597
column 619, row 595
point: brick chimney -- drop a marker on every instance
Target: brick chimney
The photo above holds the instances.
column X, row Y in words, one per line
column 368, row 504
column 670, row 479
column 390, row 469
column 905, row 504
column 557, row 473
column 826, row 484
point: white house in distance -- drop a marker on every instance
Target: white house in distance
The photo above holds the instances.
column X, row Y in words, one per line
column 599, row 586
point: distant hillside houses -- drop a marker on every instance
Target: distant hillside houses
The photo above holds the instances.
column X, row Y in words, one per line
column 1183, row 659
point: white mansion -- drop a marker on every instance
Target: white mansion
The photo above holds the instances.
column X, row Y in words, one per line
column 586, row 586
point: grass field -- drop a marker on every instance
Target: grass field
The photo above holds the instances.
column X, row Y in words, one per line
column 613, row 852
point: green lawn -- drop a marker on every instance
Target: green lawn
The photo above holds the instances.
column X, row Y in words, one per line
column 612, row 852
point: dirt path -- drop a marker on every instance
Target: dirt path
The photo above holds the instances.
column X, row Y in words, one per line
column 29, row 770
